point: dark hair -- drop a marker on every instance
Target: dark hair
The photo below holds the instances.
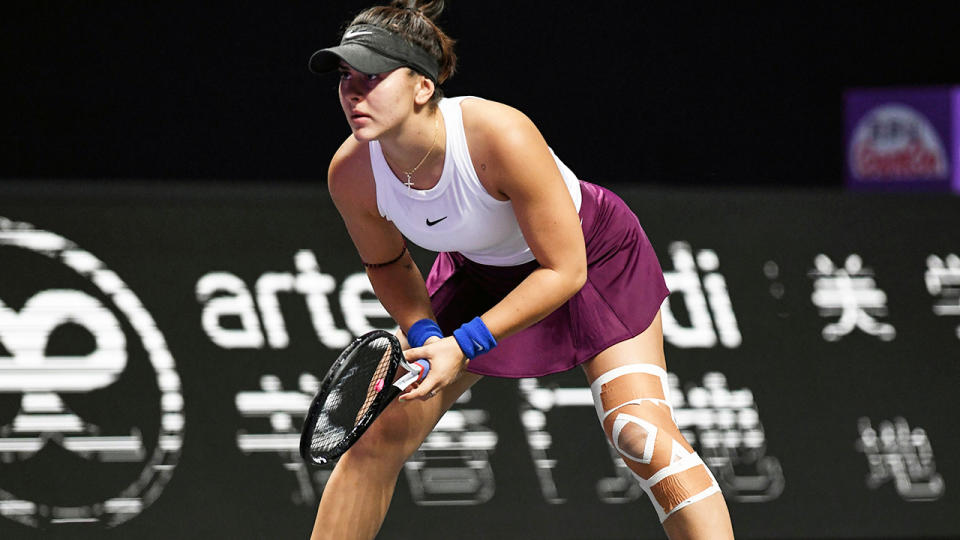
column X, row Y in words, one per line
column 414, row 20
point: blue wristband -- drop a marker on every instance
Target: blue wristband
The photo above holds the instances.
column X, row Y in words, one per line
column 421, row 330
column 474, row 338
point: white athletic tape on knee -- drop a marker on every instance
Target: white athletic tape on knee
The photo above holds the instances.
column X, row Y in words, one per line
column 670, row 488
column 661, row 389
column 633, row 405
column 624, row 420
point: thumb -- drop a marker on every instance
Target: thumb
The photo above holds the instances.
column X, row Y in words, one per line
column 417, row 353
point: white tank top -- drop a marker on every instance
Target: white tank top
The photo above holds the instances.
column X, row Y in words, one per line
column 457, row 214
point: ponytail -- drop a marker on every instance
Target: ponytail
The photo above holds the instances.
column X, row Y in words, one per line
column 430, row 9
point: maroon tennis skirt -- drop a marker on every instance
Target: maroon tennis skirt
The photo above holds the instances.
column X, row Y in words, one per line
column 621, row 297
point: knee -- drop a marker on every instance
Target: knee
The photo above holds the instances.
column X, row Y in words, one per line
column 638, row 421
column 390, row 439
column 633, row 406
column 661, row 460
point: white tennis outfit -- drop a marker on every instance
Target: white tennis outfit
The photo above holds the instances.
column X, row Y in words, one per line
column 457, row 215
column 482, row 256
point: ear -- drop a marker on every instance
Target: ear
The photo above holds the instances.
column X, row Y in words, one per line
column 424, row 90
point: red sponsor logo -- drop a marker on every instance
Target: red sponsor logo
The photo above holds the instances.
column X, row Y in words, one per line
column 896, row 142
column 911, row 160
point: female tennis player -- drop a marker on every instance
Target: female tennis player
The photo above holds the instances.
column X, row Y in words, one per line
column 537, row 271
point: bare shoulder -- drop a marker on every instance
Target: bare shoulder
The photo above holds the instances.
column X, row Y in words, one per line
column 350, row 176
column 504, row 143
column 487, row 117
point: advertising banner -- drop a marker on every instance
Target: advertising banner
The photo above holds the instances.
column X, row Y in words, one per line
column 902, row 139
column 160, row 343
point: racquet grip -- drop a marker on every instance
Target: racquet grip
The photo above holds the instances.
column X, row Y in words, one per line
column 426, row 369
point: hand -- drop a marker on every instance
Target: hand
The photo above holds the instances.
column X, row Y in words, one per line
column 447, row 362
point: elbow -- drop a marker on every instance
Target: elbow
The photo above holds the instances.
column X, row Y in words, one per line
column 578, row 278
column 567, row 280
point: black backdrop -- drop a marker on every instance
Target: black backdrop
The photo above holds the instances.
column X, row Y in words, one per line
column 693, row 93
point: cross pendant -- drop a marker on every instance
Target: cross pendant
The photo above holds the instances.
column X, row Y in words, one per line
column 409, row 182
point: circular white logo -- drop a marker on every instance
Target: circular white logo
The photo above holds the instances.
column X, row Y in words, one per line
column 895, row 141
column 91, row 414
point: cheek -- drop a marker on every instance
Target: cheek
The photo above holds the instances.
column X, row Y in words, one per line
column 395, row 89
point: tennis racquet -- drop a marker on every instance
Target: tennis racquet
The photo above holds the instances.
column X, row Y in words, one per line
column 357, row 388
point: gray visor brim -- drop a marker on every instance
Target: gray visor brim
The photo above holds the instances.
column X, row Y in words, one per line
column 359, row 57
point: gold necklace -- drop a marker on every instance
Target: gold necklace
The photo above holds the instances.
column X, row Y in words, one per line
column 436, row 135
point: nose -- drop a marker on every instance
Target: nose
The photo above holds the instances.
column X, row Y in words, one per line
column 352, row 89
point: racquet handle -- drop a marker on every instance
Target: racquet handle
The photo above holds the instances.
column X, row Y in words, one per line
column 426, row 369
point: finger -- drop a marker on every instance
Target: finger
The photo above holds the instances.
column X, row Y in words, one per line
column 414, row 391
column 422, row 392
column 429, row 395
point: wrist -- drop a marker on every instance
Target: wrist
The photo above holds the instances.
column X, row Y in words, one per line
column 422, row 330
column 474, row 338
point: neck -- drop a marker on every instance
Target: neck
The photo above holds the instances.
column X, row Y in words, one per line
column 404, row 148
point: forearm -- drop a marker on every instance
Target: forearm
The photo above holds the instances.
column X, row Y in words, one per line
column 541, row 293
column 401, row 290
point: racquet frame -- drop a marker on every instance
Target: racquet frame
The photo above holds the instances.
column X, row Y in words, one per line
column 377, row 399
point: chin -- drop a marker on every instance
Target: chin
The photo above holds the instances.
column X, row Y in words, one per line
column 364, row 134
column 361, row 138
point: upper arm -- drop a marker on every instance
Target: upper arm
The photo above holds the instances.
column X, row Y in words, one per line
column 516, row 162
column 352, row 188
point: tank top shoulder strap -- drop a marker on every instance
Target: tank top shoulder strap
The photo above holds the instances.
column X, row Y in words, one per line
column 457, row 148
column 383, row 178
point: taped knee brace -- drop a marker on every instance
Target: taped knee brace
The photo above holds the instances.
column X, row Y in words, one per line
column 633, row 406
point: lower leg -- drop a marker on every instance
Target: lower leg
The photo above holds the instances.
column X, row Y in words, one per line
column 629, row 384
column 708, row 518
column 356, row 497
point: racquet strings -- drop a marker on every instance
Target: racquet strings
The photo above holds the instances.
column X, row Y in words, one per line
column 352, row 394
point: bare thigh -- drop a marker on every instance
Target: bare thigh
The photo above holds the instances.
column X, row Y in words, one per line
column 645, row 348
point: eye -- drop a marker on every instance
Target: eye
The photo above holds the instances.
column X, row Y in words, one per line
column 373, row 77
column 344, row 74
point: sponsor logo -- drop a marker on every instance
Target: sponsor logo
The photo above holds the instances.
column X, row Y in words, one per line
column 851, row 294
column 87, row 388
column 943, row 283
column 432, row 223
column 896, row 142
column 902, row 456
column 349, row 35
column 697, row 290
column 232, row 311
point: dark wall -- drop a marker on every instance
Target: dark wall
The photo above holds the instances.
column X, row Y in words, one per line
column 625, row 92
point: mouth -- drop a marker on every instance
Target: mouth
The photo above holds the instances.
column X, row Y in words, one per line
column 358, row 116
